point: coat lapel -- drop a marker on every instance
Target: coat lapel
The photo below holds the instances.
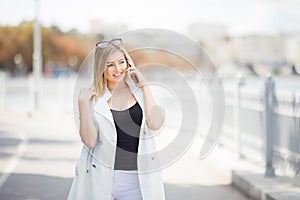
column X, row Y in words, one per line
column 137, row 92
column 101, row 106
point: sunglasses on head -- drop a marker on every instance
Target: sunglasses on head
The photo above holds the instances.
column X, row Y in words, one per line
column 116, row 42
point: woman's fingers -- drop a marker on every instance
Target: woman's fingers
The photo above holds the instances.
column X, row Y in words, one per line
column 130, row 69
column 86, row 94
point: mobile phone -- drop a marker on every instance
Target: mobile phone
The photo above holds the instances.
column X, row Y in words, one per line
column 135, row 78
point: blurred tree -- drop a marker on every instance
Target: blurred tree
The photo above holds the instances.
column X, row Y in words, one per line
column 57, row 46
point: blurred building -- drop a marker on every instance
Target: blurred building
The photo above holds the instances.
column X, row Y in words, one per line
column 292, row 46
column 260, row 49
column 256, row 54
column 214, row 39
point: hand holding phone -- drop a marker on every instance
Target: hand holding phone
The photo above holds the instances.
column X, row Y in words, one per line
column 136, row 76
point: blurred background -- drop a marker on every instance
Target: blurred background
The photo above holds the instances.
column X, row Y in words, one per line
column 254, row 44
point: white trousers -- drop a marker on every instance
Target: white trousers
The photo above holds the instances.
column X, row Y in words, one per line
column 126, row 186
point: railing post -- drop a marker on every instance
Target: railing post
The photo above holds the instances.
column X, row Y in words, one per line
column 31, row 93
column 2, row 89
column 237, row 116
column 269, row 105
column 61, row 92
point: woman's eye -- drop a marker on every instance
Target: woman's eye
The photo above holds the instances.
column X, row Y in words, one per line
column 122, row 62
column 109, row 65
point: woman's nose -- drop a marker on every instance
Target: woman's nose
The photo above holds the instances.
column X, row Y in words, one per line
column 118, row 68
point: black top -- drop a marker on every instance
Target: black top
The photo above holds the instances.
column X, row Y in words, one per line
column 128, row 124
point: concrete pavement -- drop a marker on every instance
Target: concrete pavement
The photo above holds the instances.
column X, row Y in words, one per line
column 248, row 177
column 38, row 155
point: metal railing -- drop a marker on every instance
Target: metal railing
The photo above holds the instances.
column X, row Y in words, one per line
column 55, row 94
column 265, row 123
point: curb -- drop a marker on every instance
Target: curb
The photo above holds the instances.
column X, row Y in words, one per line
column 257, row 186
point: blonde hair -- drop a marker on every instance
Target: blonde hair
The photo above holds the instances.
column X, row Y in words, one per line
column 100, row 61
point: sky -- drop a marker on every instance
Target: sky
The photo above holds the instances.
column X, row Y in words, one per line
column 239, row 16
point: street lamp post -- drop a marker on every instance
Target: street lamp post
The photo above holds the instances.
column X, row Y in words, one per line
column 37, row 57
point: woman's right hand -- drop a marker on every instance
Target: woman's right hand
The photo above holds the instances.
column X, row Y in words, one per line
column 86, row 94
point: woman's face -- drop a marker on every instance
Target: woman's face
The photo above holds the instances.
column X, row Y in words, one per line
column 115, row 67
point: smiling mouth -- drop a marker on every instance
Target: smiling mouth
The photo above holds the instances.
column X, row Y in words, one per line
column 117, row 75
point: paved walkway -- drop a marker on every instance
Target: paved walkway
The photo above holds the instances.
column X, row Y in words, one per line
column 38, row 155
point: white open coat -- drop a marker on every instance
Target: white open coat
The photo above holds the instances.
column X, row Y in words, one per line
column 94, row 169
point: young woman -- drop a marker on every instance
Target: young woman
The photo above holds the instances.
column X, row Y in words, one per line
column 118, row 160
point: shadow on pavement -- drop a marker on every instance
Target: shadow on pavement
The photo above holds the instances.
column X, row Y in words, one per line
column 5, row 155
column 6, row 142
column 49, row 141
column 32, row 186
